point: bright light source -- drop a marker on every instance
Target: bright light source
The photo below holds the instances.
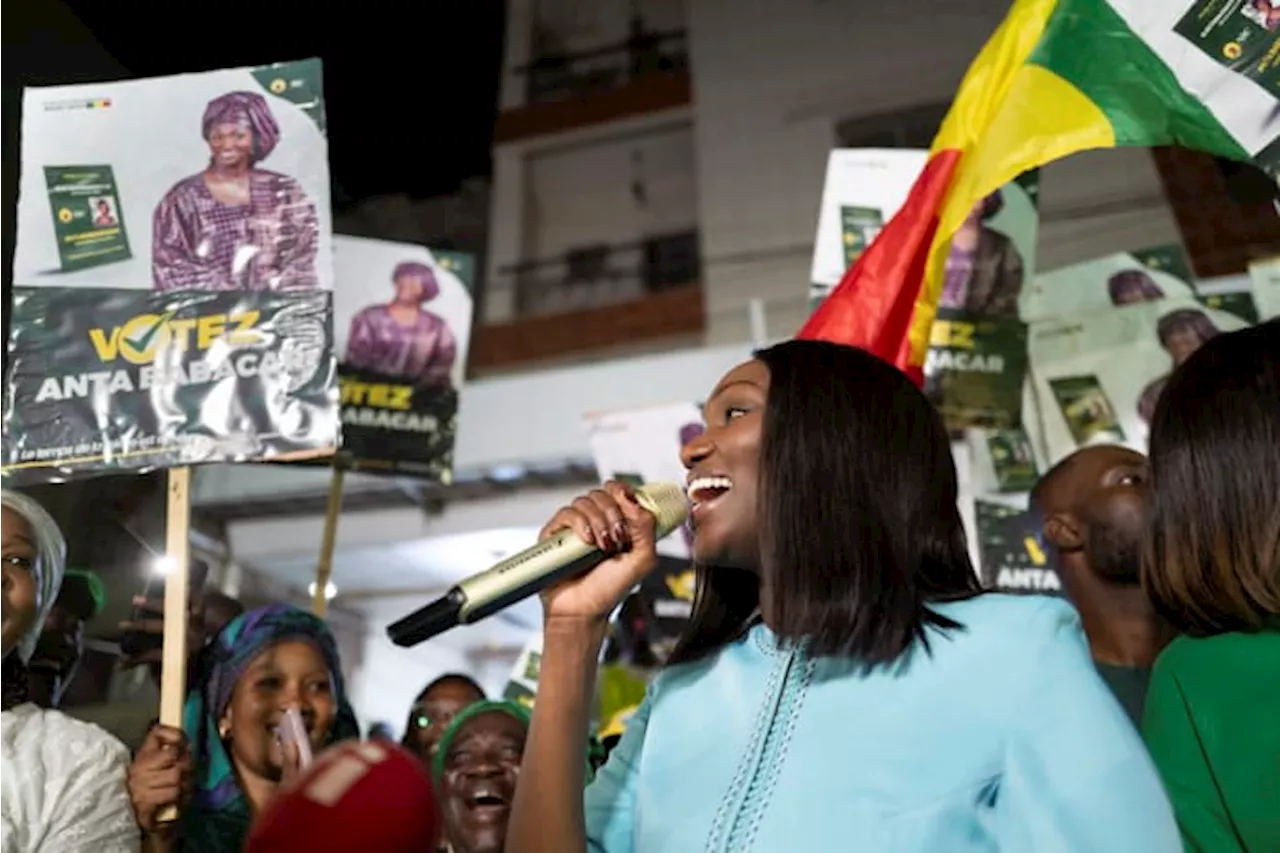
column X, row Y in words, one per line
column 330, row 590
column 163, row 565
column 507, row 473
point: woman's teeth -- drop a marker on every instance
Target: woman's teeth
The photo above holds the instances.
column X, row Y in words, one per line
column 705, row 488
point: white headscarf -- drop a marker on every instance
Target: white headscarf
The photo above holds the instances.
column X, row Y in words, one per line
column 52, row 559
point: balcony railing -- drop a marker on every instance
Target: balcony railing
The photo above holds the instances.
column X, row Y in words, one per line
column 600, row 275
column 569, row 75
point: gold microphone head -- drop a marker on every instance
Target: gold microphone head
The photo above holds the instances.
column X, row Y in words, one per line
column 667, row 502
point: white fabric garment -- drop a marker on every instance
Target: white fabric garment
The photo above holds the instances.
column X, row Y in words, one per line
column 63, row 784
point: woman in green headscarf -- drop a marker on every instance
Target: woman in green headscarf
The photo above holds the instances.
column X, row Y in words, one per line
column 263, row 663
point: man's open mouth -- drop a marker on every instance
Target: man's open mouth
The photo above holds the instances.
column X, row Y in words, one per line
column 488, row 800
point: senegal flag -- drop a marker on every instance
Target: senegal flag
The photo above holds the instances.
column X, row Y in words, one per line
column 1059, row 77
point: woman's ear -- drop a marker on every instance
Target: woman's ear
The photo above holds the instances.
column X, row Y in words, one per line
column 224, row 725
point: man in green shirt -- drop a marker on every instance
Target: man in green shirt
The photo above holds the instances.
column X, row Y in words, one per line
column 1091, row 506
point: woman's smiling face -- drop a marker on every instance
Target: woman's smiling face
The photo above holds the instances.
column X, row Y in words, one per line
column 290, row 674
column 21, row 599
column 231, row 143
column 723, row 464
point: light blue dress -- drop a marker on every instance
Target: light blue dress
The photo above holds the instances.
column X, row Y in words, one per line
column 1003, row 739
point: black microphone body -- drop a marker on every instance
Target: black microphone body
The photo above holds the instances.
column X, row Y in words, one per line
column 516, row 578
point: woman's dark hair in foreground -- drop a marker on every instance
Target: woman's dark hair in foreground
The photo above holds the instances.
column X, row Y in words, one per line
column 1211, row 559
column 858, row 522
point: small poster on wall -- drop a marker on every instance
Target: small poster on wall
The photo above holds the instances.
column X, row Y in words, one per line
column 1098, row 376
column 864, row 188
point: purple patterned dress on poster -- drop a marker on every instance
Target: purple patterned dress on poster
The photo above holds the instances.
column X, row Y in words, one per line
column 267, row 242
column 423, row 352
column 200, row 243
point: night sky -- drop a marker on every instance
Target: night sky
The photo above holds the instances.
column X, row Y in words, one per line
column 410, row 100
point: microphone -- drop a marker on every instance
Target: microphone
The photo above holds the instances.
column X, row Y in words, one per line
column 561, row 556
column 370, row 796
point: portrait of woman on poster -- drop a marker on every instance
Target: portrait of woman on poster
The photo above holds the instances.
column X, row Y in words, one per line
column 1129, row 286
column 984, row 269
column 400, row 338
column 234, row 225
column 1181, row 333
column 104, row 216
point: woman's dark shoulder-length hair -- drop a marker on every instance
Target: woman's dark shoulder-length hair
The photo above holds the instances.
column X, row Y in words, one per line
column 858, row 523
column 1211, row 556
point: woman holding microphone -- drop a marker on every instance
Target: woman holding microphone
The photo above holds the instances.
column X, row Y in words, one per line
column 843, row 683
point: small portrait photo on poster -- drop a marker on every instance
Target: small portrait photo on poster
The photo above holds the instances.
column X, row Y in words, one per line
column 104, row 211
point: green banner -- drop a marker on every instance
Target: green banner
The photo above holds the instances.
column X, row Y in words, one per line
column 114, row 380
column 87, row 222
column 975, row 369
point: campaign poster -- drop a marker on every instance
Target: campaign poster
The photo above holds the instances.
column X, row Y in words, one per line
column 1109, row 282
column 402, row 327
column 863, row 190
column 1013, row 554
column 1238, row 34
column 1098, row 376
column 977, row 360
column 1002, row 461
column 1228, row 53
column 172, row 275
column 643, row 446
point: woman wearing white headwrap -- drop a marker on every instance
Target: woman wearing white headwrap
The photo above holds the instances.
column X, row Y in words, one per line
column 64, row 780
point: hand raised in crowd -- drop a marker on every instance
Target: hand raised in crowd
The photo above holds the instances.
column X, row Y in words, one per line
column 609, row 518
column 160, row 775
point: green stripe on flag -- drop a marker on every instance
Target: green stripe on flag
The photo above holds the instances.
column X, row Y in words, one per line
column 1087, row 44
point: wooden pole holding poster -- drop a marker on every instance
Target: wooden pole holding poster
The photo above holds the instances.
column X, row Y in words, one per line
column 324, row 566
column 173, row 672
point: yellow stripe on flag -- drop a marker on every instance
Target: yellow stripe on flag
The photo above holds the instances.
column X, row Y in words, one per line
column 1008, row 117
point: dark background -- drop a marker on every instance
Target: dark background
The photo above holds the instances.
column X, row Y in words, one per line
column 411, row 87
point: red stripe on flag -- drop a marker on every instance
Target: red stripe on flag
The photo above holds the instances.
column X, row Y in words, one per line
column 872, row 306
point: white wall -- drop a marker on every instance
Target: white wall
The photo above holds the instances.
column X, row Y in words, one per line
column 583, row 194
column 573, row 188
column 773, row 78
